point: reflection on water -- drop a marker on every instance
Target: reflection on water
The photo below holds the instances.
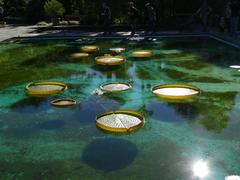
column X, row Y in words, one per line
column 32, row 105
column 233, row 177
column 94, row 105
column 200, row 169
column 109, row 154
column 172, row 112
column 51, row 125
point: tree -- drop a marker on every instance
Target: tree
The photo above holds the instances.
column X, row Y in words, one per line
column 35, row 10
column 53, row 8
column 1, row 2
column 88, row 10
column 15, row 8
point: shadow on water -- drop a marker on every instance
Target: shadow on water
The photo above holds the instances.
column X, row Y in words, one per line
column 51, row 125
column 89, row 109
column 106, row 68
column 116, row 97
column 184, row 43
column 54, row 55
column 221, row 55
column 110, row 154
column 115, row 71
column 221, row 58
column 216, row 108
column 142, row 59
column 32, row 105
column 172, row 112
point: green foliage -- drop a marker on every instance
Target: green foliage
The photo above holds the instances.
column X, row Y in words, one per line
column 42, row 23
column 15, row 8
column 88, row 11
column 35, row 10
column 1, row 2
column 54, row 8
column 27, row 62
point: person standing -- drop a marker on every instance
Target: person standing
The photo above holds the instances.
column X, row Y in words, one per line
column 1, row 14
column 151, row 18
column 204, row 12
column 107, row 17
column 228, row 17
column 234, row 7
column 222, row 23
column 133, row 14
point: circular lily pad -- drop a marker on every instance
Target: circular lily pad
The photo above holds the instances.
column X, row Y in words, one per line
column 45, row 88
column 110, row 60
column 120, row 121
column 115, row 87
column 176, row 91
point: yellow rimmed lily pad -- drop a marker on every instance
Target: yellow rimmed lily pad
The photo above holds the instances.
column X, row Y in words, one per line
column 115, row 87
column 142, row 53
column 120, row 121
column 45, row 88
column 64, row 102
column 176, row 91
column 89, row 49
column 110, row 60
column 79, row 55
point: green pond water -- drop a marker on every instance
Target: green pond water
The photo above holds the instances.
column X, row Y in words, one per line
column 38, row 141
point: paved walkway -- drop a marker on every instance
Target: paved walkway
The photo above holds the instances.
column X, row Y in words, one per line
column 12, row 31
column 9, row 31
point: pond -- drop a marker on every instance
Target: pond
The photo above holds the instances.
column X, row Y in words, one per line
column 188, row 139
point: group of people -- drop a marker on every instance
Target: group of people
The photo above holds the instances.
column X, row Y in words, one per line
column 229, row 21
column 232, row 17
column 133, row 16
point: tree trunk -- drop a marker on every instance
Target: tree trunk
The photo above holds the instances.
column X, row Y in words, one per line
column 55, row 21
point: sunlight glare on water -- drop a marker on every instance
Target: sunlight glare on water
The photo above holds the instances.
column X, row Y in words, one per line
column 201, row 169
column 175, row 91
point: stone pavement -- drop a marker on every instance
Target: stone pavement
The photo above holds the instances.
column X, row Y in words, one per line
column 14, row 31
column 10, row 31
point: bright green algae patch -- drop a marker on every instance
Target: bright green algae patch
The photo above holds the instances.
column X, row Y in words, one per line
column 40, row 141
column 26, row 63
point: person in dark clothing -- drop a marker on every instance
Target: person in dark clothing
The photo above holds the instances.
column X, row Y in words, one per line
column 203, row 13
column 151, row 18
column 235, row 8
column 228, row 17
column 1, row 14
column 133, row 14
column 106, row 16
column 222, row 23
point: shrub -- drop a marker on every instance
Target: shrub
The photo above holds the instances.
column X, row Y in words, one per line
column 42, row 23
column 54, row 8
column 63, row 23
column 72, row 22
column 1, row 2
